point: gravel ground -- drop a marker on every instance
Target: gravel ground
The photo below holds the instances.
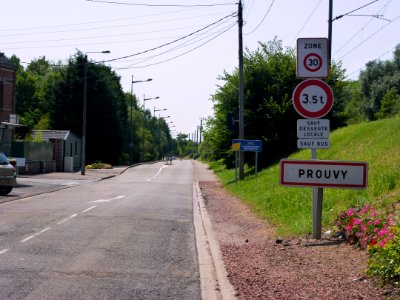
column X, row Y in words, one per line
column 260, row 266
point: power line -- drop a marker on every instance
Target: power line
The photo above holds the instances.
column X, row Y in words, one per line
column 306, row 22
column 174, row 41
column 362, row 42
column 262, row 20
column 184, row 53
column 361, row 7
column 383, row 54
column 106, row 27
column 185, row 44
column 362, row 28
column 161, row 5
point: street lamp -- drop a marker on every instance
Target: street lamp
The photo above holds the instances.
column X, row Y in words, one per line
column 85, row 70
column 144, row 119
column 131, row 129
column 154, row 110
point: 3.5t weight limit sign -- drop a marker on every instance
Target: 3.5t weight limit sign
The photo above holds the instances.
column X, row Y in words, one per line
column 312, row 58
column 312, row 98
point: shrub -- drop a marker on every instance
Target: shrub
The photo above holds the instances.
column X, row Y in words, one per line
column 99, row 165
column 363, row 226
column 379, row 235
column 385, row 261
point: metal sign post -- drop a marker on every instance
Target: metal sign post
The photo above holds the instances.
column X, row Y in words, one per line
column 239, row 146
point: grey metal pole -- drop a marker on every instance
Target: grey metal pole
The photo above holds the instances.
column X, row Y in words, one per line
column 83, row 154
column 330, row 34
column 144, row 117
column 317, row 199
column 131, row 135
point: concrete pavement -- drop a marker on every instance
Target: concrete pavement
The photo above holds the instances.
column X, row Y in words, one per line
column 214, row 281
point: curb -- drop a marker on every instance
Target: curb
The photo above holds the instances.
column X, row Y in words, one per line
column 214, row 283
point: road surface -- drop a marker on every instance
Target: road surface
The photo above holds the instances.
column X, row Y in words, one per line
column 129, row 237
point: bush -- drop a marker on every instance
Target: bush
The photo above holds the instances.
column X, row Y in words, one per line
column 385, row 261
column 364, row 227
column 99, row 165
column 379, row 235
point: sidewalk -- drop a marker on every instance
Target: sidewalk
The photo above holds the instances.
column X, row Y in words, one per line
column 90, row 174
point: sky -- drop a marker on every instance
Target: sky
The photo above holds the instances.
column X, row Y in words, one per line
column 184, row 46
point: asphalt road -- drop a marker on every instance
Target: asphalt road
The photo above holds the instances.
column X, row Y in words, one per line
column 129, row 237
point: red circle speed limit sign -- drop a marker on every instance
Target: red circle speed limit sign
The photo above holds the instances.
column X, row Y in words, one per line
column 312, row 62
column 312, row 58
column 312, row 98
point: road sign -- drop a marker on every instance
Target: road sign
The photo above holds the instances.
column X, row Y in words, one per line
column 313, row 128
column 312, row 98
column 312, row 58
column 247, row 145
column 323, row 173
column 313, row 143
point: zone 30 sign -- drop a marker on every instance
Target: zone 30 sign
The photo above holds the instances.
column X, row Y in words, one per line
column 312, row 58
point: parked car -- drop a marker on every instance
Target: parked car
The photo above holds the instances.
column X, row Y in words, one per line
column 8, row 175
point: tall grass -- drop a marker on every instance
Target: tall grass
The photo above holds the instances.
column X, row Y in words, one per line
column 289, row 209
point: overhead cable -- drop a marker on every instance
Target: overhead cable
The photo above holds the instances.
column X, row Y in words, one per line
column 174, row 41
column 161, row 5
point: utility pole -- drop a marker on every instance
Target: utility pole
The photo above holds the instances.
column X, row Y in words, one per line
column 330, row 34
column 241, row 89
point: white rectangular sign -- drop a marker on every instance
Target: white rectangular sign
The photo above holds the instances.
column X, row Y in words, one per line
column 313, row 128
column 313, row 143
column 324, row 173
column 312, row 58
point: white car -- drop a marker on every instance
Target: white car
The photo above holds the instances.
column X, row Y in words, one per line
column 8, row 175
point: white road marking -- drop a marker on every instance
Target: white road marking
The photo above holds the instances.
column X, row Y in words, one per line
column 70, row 183
column 108, row 200
column 3, row 251
column 66, row 219
column 158, row 173
column 34, row 235
column 90, row 208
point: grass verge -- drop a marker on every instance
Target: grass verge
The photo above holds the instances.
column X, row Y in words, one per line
column 290, row 210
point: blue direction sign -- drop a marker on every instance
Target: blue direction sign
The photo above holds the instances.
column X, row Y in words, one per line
column 247, row 145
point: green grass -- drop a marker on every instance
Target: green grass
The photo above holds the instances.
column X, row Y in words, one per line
column 289, row 209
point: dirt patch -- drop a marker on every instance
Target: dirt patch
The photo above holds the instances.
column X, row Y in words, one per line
column 260, row 266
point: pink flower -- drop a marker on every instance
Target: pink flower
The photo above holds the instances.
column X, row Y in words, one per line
column 357, row 222
column 348, row 228
column 383, row 232
column 350, row 212
column 377, row 221
column 364, row 227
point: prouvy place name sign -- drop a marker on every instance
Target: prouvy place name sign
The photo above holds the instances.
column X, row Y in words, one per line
column 324, row 173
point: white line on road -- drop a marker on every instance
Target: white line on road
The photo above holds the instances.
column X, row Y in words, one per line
column 3, row 251
column 66, row 219
column 108, row 200
column 34, row 235
column 90, row 208
column 158, row 173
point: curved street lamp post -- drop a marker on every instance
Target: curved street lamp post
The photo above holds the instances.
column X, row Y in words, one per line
column 131, row 129
column 144, row 119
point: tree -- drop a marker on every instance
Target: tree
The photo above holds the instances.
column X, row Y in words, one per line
column 378, row 78
column 269, row 81
column 106, row 108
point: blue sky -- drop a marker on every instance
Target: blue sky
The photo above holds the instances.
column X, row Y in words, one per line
column 184, row 49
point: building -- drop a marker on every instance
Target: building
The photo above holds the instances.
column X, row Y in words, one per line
column 67, row 148
column 8, row 73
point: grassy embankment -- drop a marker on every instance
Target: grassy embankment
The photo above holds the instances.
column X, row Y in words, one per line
column 289, row 209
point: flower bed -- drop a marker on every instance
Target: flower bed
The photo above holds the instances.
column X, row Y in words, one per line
column 379, row 235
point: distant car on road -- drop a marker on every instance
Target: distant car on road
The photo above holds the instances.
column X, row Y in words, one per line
column 8, row 175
